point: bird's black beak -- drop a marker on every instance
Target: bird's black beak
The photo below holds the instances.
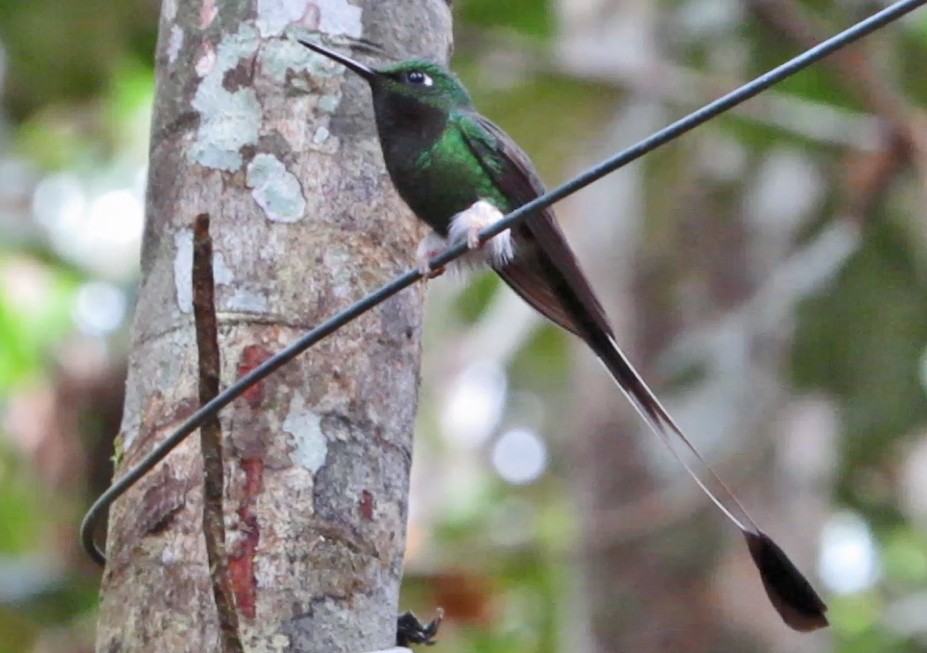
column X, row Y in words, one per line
column 367, row 73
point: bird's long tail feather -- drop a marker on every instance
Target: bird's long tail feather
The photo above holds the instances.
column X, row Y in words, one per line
column 788, row 590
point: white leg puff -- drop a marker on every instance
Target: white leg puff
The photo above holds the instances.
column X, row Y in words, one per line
column 467, row 224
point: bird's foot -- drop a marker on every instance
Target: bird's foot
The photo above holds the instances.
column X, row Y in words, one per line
column 429, row 247
column 409, row 630
column 469, row 223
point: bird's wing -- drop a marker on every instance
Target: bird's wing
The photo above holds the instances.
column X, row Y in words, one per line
column 544, row 272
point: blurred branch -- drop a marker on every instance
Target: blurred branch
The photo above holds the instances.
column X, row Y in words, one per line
column 853, row 65
column 679, row 85
column 870, row 174
column 905, row 143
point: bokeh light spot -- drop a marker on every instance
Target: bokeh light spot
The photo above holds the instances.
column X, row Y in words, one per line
column 849, row 560
column 519, row 456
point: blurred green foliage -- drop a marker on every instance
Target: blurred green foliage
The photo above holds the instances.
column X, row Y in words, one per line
column 863, row 341
column 529, row 17
column 29, row 332
column 59, row 53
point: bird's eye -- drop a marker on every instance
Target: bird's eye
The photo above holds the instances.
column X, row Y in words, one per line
column 419, row 78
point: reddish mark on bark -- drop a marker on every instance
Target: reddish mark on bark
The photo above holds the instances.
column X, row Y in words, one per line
column 241, row 563
column 366, row 505
column 251, row 357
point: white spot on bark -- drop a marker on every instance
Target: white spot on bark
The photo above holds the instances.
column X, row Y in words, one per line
column 131, row 416
column 169, row 10
column 276, row 190
column 274, row 15
column 174, row 43
column 221, row 273
column 340, row 17
column 229, row 120
column 329, row 102
column 309, row 445
column 321, row 135
column 183, row 270
column 171, row 555
column 334, row 16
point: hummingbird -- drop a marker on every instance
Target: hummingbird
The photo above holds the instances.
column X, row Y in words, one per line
column 459, row 173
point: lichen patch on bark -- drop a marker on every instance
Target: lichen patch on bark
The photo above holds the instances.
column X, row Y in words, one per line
column 169, row 10
column 183, row 269
column 176, row 41
column 321, row 135
column 278, row 58
column 275, row 189
column 336, row 17
column 221, row 272
column 309, row 445
column 273, row 16
column 340, row 17
column 229, row 120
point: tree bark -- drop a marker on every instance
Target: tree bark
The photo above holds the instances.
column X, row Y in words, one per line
column 278, row 146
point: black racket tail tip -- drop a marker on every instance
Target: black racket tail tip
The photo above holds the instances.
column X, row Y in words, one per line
column 788, row 590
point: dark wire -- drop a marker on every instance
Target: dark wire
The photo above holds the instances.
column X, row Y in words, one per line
column 334, row 323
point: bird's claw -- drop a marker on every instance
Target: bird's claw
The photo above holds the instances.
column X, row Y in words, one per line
column 430, row 246
column 427, row 272
column 473, row 237
column 409, row 630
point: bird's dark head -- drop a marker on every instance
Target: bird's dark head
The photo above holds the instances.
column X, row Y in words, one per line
column 425, row 81
column 412, row 102
column 412, row 82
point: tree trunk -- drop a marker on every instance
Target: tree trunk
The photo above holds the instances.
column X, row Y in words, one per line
column 278, row 146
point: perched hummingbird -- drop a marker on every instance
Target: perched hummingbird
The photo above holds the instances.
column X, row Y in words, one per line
column 459, row 173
